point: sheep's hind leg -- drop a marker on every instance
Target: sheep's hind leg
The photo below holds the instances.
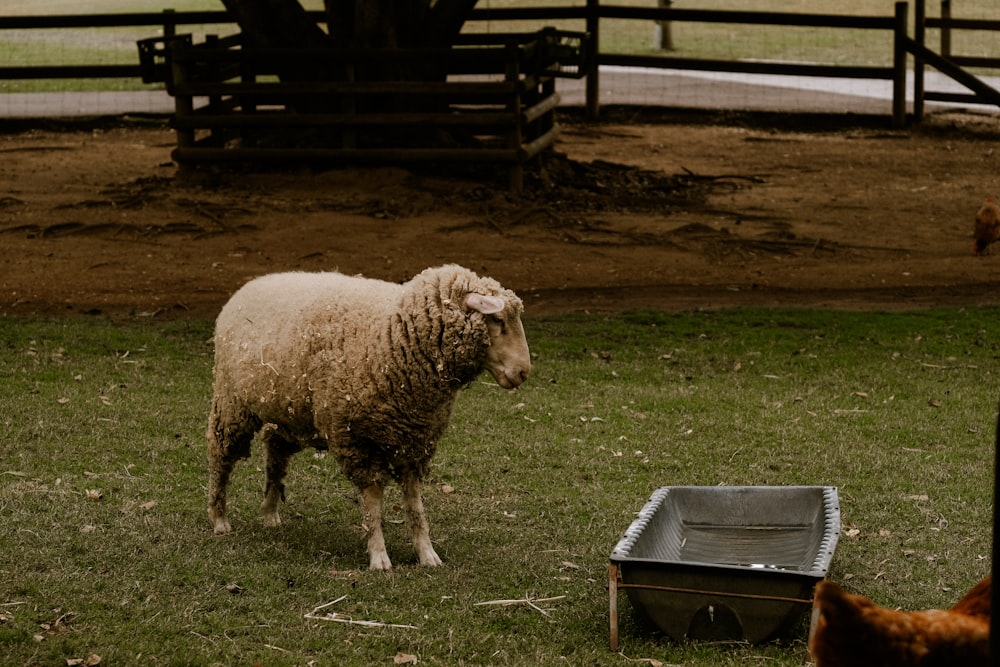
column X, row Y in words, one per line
column 227, row 444
column 418, row 523
column 277, row 451
column 371, row 499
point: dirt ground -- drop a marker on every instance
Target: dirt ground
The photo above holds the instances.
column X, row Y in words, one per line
column 674, row 211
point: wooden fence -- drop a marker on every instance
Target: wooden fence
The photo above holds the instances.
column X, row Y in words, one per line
column 893, row 27
column 493, row 96
column 949, row 62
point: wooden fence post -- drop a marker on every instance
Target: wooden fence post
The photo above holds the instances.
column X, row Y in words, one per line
column 515, row 138
column 183, row 102
column 919, row 35
column 593, row 75
column 945, row 28
column 169, row 23
column 664, row 37
column 899, row 67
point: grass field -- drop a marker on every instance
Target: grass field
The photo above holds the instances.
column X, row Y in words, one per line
column 695, row 40
column 107, row 549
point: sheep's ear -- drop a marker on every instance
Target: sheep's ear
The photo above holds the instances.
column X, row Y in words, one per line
column 487, row 305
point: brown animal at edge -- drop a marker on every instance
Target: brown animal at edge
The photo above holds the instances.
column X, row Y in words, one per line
column 852, row 631
column 987, row 228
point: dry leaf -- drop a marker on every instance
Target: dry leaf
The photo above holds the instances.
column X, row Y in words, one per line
column 86, row 530
column 62, row 400
column 94, row 494
column 852, row 532
column 934, row 403
column 90, row 661
column 405, row 659
column 447, row 488
column 149, row 505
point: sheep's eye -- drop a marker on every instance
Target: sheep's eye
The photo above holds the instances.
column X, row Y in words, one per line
column 498, row 319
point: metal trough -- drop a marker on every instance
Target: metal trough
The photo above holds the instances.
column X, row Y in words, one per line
column 726, row 563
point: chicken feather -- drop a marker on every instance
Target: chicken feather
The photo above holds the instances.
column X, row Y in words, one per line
column 851, row 631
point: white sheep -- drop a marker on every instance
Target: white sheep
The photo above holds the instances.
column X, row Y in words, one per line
column 365, row 368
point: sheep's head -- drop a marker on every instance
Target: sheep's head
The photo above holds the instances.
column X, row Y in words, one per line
column 507, row 358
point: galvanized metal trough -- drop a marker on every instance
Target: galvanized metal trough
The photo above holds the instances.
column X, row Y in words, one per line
column 726, row 563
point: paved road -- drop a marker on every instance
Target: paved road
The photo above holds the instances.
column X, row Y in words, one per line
column 754, row 92
column 647, row 87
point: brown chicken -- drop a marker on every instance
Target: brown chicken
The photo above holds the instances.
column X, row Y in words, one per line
column 987, row 229
column 852, row 631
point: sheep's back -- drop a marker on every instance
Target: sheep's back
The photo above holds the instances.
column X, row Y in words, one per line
column 269, row 332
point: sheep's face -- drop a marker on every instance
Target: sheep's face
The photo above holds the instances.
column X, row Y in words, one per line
column 507, row 358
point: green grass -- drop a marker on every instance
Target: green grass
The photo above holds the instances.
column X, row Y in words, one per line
column 107, row 548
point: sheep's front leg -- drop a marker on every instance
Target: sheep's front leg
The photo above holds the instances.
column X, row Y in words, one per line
column 418, row 523
column 371, row 499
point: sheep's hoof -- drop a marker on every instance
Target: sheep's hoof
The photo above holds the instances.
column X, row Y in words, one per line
column 272, row 520
column 220, row 525
column 430, row 559
column 379, row 561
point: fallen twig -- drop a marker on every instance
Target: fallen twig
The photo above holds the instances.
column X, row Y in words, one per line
column 336, row 617
column 528, row 602
column 652, row 662
column 276, row 648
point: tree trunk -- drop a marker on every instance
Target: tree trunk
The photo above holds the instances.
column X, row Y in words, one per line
column 357, row 24
column 276, row 24
column 363, row 24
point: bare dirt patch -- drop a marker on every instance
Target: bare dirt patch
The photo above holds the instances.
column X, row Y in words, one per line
column 672, row 211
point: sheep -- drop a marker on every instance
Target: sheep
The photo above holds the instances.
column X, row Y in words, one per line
column 367, row 369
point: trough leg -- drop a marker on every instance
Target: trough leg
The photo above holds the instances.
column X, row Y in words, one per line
column 613, row 605
column 371, row 499
column 418, row 523
column 277, row 451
